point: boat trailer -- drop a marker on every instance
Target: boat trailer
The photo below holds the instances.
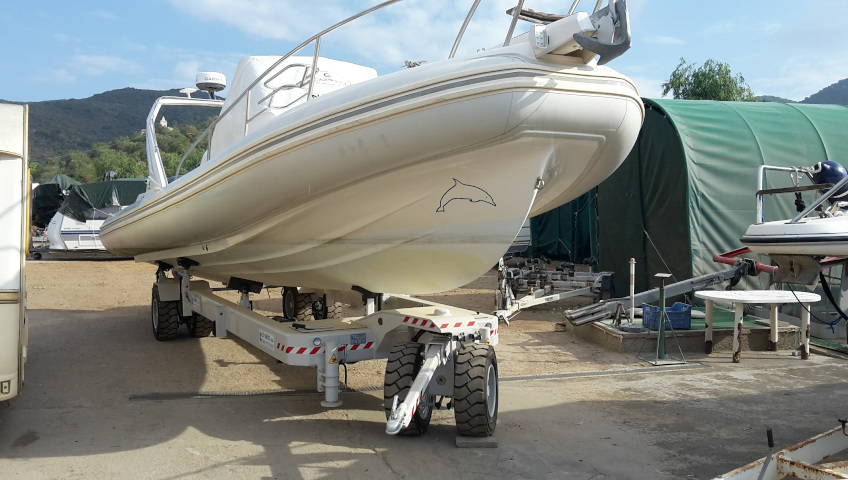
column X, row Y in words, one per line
column 433, row 350
column 801, row 461
column 617, row 306
column 545, row 281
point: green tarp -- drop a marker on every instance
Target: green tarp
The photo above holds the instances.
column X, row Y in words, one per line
column 568, row 232
column 48, row 196
column 84, row 199
column 65, row 182
column 686, row 191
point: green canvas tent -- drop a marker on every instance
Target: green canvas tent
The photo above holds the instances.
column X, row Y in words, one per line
column 686, row 191
column 568, row 232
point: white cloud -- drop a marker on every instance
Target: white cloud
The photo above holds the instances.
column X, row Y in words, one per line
column 58, row 76
column 799, row 77
column 62, row 38
column 96, row 65
column 181, row 67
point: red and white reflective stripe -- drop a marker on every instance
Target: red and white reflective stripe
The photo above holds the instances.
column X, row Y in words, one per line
column 364, row 346
column 458, row 324
column 415, row 320
column 316, row 350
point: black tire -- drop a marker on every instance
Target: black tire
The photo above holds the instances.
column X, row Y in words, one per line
column 36, row 255
column 297, row 306
column 403, row 365
column 475, row 390
column 303, row 307
column 200, row 326
column 334, row 310
column 165, row 317
column 300, row 307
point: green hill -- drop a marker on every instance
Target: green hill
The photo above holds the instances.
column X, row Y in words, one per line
column 773, row 99
column 836, row 94
column 57, row 127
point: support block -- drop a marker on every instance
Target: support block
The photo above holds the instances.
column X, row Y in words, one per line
column 476, row 442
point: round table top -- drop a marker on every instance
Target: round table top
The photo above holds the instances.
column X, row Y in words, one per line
column 758, row 296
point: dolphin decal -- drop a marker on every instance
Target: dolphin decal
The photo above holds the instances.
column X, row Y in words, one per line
column 463, row 191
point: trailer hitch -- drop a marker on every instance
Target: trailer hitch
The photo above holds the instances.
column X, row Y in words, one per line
column 400, row 416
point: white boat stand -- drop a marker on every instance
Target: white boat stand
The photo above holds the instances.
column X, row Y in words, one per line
column 771, row 297
column 440, row 330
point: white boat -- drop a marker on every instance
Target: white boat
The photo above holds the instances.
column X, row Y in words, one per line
column 819, row 230
column 413, row 182
column 76, row 225
column 67, row 234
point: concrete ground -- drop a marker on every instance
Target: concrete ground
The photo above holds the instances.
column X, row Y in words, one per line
column 103, row 399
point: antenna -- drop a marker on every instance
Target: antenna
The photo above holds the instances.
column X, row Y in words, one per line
column 211, row 82
column 188, row 91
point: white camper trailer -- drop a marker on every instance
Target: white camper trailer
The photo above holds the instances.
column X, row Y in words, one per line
column 14, row 239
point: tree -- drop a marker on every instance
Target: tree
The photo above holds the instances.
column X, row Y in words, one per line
column 712, row 81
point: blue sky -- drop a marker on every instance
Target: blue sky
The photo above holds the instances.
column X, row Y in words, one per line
column 56, row 49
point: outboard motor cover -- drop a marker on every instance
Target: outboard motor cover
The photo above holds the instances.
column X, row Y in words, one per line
column 831, row 172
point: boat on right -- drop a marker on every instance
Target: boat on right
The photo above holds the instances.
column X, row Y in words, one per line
column 817, row 233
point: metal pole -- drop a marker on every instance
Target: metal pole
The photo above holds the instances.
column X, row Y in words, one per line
column 515, row 14
column 632, row 288
column 462, row 29
column 662, row 318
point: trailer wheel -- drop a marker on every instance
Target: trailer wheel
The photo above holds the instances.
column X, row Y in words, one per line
column 475, row 391
column 36, row 255
column 403, row 365
column 334, row 310
column 200, row 326
column 165, row 316
column 297, row 306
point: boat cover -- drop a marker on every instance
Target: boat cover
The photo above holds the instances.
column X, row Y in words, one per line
column 689, row 183
column 84, row 199
column 48, row 197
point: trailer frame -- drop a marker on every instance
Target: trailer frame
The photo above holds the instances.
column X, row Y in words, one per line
column 442, row 331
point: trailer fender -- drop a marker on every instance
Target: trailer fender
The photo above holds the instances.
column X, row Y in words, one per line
column 169, row 289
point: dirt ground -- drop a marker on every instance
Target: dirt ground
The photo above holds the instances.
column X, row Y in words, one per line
column 103, row 399
column 528, row 347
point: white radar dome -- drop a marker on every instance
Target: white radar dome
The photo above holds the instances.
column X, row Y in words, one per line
column 211, row 81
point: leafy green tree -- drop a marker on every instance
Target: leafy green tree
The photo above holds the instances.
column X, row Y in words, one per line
column 80, row 167
column 711, row 81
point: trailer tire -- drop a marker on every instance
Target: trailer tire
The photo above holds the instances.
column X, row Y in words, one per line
column 165, row 317
column 334, row 310
column 475, row 391
column 303, row 308
column 200, row 326
column 36, row 255
column 404, row 362
column 297, row 306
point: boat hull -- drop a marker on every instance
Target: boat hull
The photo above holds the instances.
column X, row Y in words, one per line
column 65, row 233
column 417, row 188
column 816, row 237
